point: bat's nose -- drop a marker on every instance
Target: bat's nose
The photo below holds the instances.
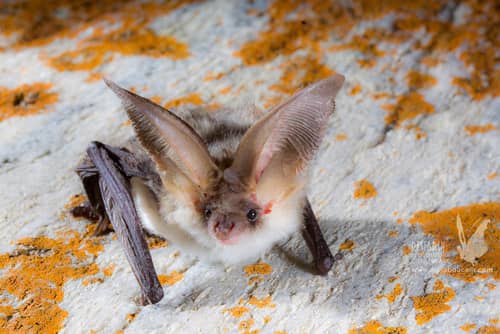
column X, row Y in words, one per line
column 223, row 227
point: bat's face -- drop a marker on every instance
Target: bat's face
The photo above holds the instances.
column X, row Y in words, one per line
column 230, row 213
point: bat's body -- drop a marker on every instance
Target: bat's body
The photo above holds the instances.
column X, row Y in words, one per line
column 165, row 215
column 226, row 186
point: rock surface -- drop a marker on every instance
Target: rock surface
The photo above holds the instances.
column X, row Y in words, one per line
column 415, row 142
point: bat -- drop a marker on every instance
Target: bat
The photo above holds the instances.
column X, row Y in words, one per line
column 225, row 186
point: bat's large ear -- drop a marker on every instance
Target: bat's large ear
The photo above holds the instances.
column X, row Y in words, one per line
column 172, row 143
column 280, row 145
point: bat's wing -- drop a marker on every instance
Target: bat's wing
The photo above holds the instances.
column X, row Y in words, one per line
column 105, row 176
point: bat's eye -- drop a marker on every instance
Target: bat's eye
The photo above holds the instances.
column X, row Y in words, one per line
column 207, row 213
column 252, row 215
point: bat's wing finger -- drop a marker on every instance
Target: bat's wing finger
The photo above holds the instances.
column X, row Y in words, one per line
column 114, row 189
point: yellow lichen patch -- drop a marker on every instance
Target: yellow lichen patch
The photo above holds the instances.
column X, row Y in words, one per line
column 171, row 278
column 488, row 330
column 391, row 296
column 356, row 89
column 267, row 319
column 35, row 274
column 130, row 317
column 432, row 304
column 300, row 72
column 485, row 79
column 467, row 327
column 75, row 201
column 25, row 100
column 375, row 327
column 109, row 270
column 491, row 286
column 347, row 245
column 155, row 242
column 364, row 189
column 94, row 76
column 261, row 303
column 341, row 137
column 494, row 321
column 475, row 129
column 443, row 226
column 260, row 268
column 246, row 324
column 280, row 332
column 419, row 134
column 407, row 107
column 213, row 76
column 406, row 250
column 193, row 98
column 124, row 41
column 255, row 279
column 237, row 311
column 417, row 80
column 393, row 233
column 492, row 176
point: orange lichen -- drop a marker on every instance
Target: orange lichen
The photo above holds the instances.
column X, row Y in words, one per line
column 475, row 129
column 300, row 72
column 356, row 89
column 364, row 189
column 255, row 279
column 467, row 327
column 303, row 25
column 75, row 201
column 246, row 324
column 417, row 80
column 432, row 304
column 155, row 242
column 375, row 327
column 494, row 321
column 419, row 134
column 485, row 79
column 237, row 311
column 261, row 303
column 108, row 270
column 407, row 107
column 347, row 245
column 213, row 76
column 341, row 137
column 225, row 90
column 491, row 286
column 171, row 278
column 442, row 225
column 406, row 250
column 35, row 275
column 391, row 296
column 193, row 98
column 393, row 233
column 492, row 176
column 130, row 317
column 260, row 268
column 488, row 330
column 124, row 41
column 25, row 100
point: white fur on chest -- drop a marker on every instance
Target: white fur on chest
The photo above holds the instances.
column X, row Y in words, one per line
column 182, row 226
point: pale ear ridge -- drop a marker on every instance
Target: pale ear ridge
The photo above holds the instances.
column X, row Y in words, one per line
column 291, row 132
column 169, row 139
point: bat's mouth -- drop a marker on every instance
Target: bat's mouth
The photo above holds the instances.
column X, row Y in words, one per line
column 226, row 233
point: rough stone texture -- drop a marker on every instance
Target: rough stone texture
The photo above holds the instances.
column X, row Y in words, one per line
column 418, row 121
